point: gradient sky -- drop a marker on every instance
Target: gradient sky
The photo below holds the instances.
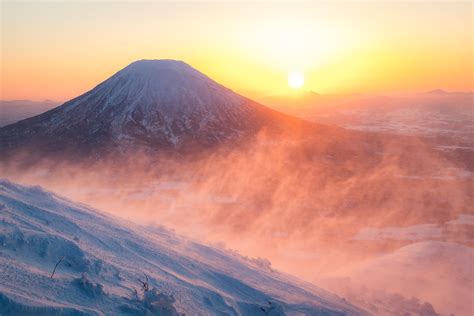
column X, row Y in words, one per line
column 58, row 50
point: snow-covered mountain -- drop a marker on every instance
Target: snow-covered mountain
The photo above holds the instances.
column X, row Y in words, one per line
column 155, row 104
column 103, row 264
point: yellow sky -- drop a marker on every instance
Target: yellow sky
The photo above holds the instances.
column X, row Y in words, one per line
column 58, row 50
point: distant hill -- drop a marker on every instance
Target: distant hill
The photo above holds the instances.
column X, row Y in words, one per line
column 12, row 111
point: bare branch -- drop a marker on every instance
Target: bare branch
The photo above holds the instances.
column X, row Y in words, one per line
column 135, row 292
column 145, row 285
column 57, row 263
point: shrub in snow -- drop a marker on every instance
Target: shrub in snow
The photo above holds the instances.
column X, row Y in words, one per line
column 145, row 284
column 90, row 288
column 159, row 303
column 151, row 303
column 56, row 266
column 273, row 309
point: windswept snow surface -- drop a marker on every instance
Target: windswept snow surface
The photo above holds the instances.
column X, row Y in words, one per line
column 104, row 258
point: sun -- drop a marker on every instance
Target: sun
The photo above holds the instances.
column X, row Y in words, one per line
column 295, row 79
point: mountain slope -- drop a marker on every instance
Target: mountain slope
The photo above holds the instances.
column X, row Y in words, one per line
column 104, row 259
column 155, row 104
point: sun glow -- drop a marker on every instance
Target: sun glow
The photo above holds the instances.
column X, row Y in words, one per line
column 344, row 48
column 295, row 79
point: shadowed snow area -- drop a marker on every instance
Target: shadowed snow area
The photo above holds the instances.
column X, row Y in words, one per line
column 104, row 261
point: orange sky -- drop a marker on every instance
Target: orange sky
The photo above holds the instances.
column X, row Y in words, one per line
column 52, row 50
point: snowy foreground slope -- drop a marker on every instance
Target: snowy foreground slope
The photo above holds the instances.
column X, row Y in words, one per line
column 104, row 258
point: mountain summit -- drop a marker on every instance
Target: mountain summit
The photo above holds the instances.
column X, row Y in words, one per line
column 155, row 104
